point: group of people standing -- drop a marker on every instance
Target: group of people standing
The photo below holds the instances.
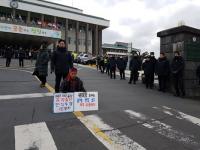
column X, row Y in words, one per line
column 167, row 72
column 110, row 64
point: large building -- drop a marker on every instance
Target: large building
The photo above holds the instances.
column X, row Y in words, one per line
column 119, row 48
column 29, row 22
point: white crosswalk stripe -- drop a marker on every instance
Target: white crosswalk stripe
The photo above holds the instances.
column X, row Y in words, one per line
column 33, row 136
column 179, row 115
column 164, row 129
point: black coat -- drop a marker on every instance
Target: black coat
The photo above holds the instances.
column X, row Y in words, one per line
column 177, row 66
column 148, row 67
column 61, row 61
column 162, row 67
column 121, row 64
column 65, row 86
column 198, row 71
column 113, row 63
column 21, row 54
column 8, row 53
column 134, row 64
column 41, row 65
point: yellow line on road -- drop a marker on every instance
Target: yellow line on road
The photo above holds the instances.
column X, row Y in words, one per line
column 79, row 114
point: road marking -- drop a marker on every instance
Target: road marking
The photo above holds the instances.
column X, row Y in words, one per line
column 115, row 139
column 23, row 96
column 34, row 137
column 163, row 129
column 179, row 115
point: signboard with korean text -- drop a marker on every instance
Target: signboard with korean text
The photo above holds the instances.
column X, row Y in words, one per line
column 85, row 101
column 12, row 28
column 63, row 102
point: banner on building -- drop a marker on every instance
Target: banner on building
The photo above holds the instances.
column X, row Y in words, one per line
column 12, row 28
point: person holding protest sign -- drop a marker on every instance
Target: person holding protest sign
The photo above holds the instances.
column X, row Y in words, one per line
column 72, row 83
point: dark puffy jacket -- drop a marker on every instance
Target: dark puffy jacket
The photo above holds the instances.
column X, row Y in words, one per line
column 66, row 86
column 198, row 71
column 42, row 63
column 113, row 63
column 134, row 64
column 121, row 64
column 8, row 53
column 177, row 66
column 21, row 54
column 61, row 61
column 148, row 67
column 162, row 67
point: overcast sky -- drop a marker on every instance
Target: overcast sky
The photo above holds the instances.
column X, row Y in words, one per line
column 138, row 21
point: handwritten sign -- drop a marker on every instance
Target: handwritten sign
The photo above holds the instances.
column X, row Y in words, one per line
column 85, row 101
column 63, row 102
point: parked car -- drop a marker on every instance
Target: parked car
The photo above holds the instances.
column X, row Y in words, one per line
column 82, row 58
column 89, row 61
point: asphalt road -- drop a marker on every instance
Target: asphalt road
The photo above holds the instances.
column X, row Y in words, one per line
column 132, row 117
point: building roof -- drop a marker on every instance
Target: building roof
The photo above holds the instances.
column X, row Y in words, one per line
column 58, row 10
column 176, row 30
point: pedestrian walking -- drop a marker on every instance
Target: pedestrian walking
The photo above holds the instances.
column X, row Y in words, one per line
column 121, row 65
column 21, row 57
column 113, row 65
column 72, row 83
column 41, row 66
column 102, row 65
column 148, row 68
column 134, row 67
column 198, row 74
column 8, row 55
column 108, row 66
column 98, row 62
column 177, row 69
column 163, row 71
column 61, row 62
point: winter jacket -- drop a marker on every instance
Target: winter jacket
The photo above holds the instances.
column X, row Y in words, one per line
column 78, row 86
column 21, row 54
column 41, row 65
column 121, row 64
column 177, row 66
column 148, row 67
column 134, row 64
column 113, row 63
column 61, row 61
column 162, row 67
column 198, row 71
column 8, row 53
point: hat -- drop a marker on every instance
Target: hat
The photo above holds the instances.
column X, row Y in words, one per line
column 73, row 70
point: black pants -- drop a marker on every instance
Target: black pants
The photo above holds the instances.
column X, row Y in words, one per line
column 179, row 85
column 21, row 62
column 113, row 73
column 43, row 79
column 149, row 80
column 8, row 61
column 133, row 77
column 59, row 76
column 162, row 83
column 108, row 70
column 122, row 73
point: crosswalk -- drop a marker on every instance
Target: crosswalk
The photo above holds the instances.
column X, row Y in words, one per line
column 141, row 131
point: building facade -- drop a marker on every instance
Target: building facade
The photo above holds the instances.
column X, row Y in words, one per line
column 30, row 22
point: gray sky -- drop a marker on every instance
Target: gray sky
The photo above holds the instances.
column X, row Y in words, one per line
column 138, row 21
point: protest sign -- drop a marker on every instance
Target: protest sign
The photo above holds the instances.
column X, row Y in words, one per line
column 63, row 102
column 85, row 101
